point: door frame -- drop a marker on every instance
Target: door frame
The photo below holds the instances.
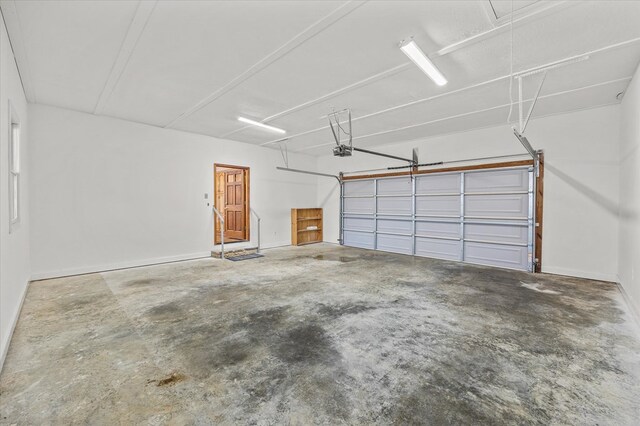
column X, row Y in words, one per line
column 247, row 211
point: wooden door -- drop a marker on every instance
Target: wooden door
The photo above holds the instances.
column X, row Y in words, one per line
column 234, row 205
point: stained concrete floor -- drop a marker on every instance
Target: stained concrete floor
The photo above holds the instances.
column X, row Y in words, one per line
column 322, row 334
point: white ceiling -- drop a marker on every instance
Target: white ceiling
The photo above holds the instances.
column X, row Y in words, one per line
column 197, row 65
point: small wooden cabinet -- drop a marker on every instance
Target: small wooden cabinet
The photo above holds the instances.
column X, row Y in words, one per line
column 306, row 226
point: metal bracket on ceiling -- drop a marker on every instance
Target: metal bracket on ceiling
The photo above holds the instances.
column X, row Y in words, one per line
column 544, row 69
column 340, row 126
column 524, row 121
column 284, row 152
column 337, row 129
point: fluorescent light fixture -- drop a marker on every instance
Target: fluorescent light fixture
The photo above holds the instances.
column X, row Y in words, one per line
column 264, row 126
column 418, row 57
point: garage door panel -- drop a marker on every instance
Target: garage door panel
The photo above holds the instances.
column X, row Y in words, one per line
column 359, row 188
column 358, row 239
column 498, row 206
column 498, row 233
column 440, row 205
column 512, row 180
column 395, row 205
column 359, row 223
column 395, row 243
column 503, row 256
column 438, row 184
column 395, row 226
column 440, row 249
column 427, row 216
column 438, row 229
column 397, row 186
column 359, row 205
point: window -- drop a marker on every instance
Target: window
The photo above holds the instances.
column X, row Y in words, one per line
column 14, row 173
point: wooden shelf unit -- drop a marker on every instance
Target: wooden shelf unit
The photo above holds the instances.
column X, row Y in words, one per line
column 300, row 220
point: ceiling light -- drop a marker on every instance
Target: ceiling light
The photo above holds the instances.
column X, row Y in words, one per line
column 418, row 57
column 264, row 126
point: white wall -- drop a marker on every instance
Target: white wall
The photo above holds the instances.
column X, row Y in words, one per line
column 580, row 234
column 630, row 193
column 109, row 193
column 14, row 245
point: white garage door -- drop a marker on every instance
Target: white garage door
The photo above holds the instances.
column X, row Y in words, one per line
column 483, row 216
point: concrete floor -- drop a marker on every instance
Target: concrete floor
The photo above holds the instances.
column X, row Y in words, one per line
column 322, row 334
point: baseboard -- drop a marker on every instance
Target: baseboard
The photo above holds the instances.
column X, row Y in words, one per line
column 45, row 275
column 113, row 266
column 633, row 309
column 580, row 274
column 14, row 322
column 275, row 245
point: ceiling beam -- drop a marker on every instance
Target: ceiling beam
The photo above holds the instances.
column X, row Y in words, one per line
column 536, row 13
column 453, row 132
column 272, row 57
column 398, row 129
column 521, row 20
column 364, row 82
column 16, row 39
column 462, row 89
column 136, row 28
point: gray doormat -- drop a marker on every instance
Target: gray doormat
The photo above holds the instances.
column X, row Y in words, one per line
column 243, row 257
